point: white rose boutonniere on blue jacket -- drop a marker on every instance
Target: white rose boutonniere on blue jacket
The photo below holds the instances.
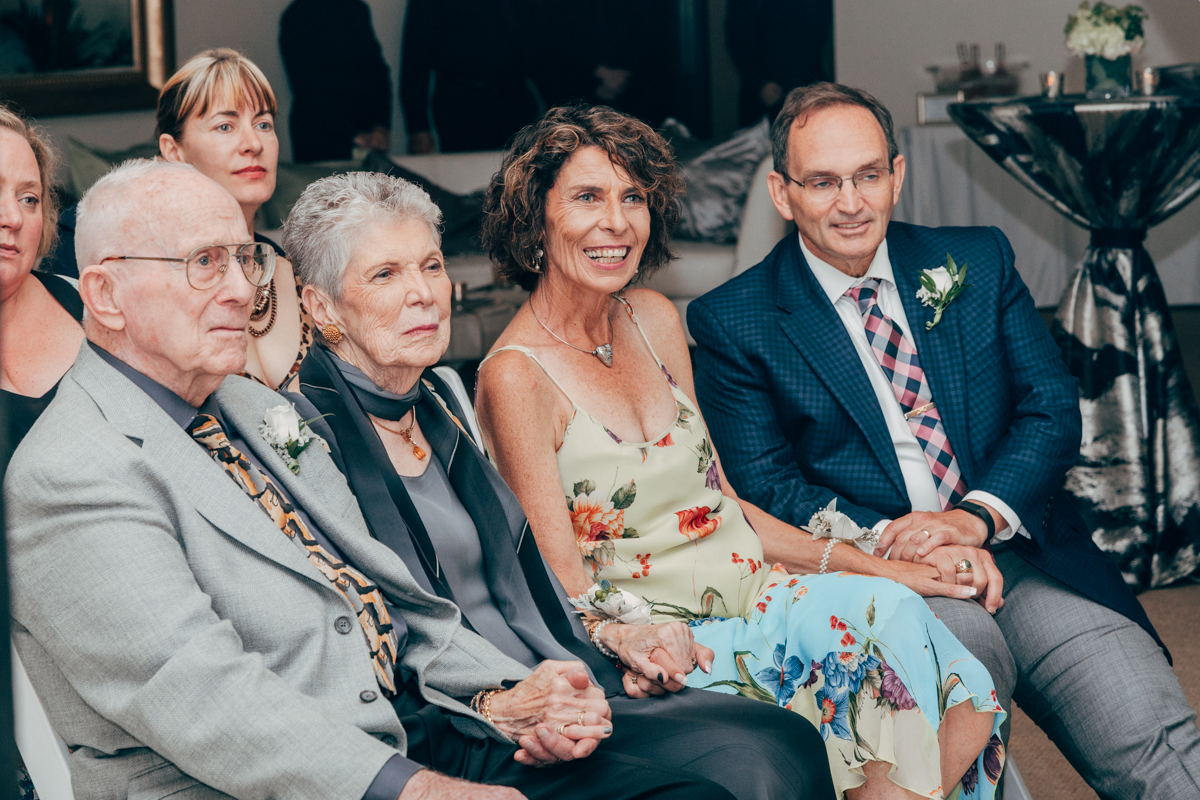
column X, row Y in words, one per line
column 940, row 286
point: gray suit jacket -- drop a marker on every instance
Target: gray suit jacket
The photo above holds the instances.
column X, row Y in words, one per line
column 177, row 637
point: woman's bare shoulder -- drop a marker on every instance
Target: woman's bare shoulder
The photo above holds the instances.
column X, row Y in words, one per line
column 659, row 319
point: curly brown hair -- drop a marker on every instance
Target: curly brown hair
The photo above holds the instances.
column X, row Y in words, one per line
column 514, row 205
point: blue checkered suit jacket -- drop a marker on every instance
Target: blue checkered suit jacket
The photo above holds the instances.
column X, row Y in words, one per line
column 796, row 423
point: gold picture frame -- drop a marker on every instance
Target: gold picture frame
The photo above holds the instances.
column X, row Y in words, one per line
column 104, row 89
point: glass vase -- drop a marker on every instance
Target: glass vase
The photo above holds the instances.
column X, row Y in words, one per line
column 1108, row 78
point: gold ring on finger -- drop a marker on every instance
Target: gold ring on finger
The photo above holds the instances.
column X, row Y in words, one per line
column 927, row 534
column 581, row 719
column 561, row 728
column 962, row 566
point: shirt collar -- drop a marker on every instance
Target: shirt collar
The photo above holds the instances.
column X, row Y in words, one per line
column 178, row 409
column 835, row 283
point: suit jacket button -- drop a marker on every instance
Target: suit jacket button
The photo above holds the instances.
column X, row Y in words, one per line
column 368, row 696
column 389, row 740
column 343, row 625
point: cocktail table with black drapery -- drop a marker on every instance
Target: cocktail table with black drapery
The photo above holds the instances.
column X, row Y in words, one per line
column 1117, row 168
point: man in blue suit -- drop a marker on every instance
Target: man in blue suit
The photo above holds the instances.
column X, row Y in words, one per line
column 823, row 375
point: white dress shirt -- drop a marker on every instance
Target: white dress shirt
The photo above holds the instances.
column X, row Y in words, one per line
column 918, row 478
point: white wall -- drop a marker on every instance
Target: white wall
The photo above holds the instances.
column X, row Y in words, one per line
column 883, row 46
column 251, row 27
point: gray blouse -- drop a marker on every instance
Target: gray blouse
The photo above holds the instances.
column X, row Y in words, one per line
column 460, row 557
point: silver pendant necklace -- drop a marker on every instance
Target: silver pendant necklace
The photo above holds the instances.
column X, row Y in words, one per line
column 602, row 352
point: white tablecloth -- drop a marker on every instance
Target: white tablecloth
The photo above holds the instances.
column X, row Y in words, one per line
column 950, row 181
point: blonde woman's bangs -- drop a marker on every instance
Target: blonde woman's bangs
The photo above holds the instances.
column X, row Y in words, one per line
column 228, row 85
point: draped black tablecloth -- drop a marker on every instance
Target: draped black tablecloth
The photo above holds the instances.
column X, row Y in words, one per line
column 1117, row 168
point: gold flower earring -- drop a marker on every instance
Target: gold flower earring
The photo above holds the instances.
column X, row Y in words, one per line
column 332, row 333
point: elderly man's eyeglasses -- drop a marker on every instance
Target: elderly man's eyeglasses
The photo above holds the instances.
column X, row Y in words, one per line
column 824, row 188
column 206, row 265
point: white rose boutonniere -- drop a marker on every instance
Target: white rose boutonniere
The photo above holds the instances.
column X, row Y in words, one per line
column 940, row 286
column 288, row 435
column 608, row 602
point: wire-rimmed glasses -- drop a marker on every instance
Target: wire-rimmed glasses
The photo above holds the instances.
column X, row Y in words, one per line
column 207, row 264
column 870, row 182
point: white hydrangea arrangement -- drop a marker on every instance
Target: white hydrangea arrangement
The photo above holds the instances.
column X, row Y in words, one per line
column 1106, row 31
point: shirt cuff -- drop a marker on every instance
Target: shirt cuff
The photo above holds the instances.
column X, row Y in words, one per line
column 1002, row 508
column 391, row 780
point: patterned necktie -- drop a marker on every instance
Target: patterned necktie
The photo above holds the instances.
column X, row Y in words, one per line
column 360, row 590
column 898, row 358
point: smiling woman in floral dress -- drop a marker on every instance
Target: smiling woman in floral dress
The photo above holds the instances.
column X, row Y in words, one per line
column 588, row 407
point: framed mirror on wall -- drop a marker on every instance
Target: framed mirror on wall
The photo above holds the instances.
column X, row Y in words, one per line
column 84, row 56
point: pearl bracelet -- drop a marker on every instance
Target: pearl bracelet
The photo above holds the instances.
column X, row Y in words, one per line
column 825, row 558
column 594, row 634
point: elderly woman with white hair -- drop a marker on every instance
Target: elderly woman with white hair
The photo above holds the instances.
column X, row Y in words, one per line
column 367, row 249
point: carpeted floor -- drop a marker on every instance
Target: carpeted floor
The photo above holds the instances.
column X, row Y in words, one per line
column 1047, row 774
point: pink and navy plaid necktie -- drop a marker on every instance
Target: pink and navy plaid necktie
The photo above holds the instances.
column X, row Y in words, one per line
column 900, row 363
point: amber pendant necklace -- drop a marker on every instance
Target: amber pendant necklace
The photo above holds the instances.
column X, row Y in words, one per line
column 406, row 435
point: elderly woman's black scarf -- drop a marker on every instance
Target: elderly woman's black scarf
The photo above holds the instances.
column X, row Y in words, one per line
column 376, row 401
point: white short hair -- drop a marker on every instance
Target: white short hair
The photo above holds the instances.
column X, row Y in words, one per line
column 320, row 230
column 99, row 232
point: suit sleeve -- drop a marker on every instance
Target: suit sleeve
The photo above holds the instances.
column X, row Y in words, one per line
column 734, row 393
column 104, row 585
column 1042, row 442
column 416, row 65
column 357, row 81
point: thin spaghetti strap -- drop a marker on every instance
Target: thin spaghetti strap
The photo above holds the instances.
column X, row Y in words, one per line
column 518, row 348
column 620, row 297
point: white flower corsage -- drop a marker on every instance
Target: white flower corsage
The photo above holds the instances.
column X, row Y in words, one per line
column 288, row 435
column 608, row 602
column 829, row 523
column 940, row 286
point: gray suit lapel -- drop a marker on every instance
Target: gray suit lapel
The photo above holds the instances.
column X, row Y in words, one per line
column 816, row 330
column 215, row 496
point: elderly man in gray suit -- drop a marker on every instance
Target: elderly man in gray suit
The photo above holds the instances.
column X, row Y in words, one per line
column 199, row 621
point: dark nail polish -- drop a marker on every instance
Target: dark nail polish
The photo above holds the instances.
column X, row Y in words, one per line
column 660, row 678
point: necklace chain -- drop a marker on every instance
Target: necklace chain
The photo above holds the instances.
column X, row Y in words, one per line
column 603, row 351
column 406, row 435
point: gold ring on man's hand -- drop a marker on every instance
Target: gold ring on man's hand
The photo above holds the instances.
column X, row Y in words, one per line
column 560, row 728
column 581, row 719
column 963, row 566
column 927, row 534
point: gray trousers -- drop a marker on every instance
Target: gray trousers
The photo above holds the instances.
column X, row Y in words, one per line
column 1093, row 680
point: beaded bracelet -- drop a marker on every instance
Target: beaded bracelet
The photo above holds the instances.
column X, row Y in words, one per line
column 481, row 704
column 594, row 634
column 825, row 558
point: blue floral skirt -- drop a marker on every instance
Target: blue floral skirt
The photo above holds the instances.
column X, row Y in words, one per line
column 867, row 662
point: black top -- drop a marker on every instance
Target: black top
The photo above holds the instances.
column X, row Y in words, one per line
column 341, row 86
column 21, row 411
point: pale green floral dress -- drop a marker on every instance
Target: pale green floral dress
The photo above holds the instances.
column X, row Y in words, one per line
column 864, row 659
